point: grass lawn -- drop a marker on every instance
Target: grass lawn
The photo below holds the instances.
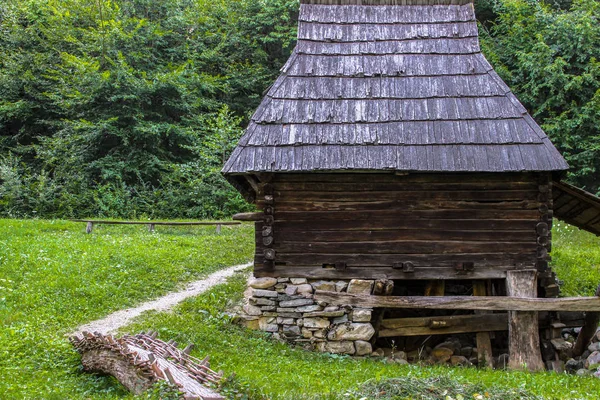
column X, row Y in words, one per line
column 53, row 277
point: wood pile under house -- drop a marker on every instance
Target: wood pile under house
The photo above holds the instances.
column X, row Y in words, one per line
column 405, row 193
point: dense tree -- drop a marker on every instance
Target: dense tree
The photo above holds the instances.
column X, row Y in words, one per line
column 127, row 108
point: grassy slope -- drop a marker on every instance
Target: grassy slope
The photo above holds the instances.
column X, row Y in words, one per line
column 53, row 277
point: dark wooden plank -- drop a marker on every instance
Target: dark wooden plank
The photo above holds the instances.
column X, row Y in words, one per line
column 365, row 204
column 420, row 273
column 490, row 303
column 412, row 214
column 291, row 235
column 588, row 330
column 410, row 223
column 418, row 260
column 342, row 177
column 482, row 338
column 366, row 185
column 403, row 247
column 446, row 325
column 488, row 195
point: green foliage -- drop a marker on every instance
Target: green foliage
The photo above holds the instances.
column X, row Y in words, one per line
column 576, row 260
column 549, row 57
column 119, row 108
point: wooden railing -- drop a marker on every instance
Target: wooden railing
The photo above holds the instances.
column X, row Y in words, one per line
column 151, row 224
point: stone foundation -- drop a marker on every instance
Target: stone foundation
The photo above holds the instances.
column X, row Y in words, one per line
column 285, row 308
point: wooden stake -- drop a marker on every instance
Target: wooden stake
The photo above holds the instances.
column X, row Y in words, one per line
column 484, row 344
column 588, row 330
column 89, row 227
column 523, row 331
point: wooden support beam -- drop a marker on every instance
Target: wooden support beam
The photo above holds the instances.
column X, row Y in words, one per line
column 253, row 216
column 523, row 328
column 443, row 325
column 592, row 319
column 484, row 344
column 491, row 303
column 89, row 227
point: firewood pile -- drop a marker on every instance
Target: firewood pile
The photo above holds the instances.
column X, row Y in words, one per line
column 140, row 360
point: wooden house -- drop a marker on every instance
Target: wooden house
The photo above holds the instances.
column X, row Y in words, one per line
column 389, row 150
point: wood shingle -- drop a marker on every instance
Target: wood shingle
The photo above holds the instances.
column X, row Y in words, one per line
column 391, row 87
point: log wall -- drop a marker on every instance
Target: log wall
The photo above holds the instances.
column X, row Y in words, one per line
column 416, row 226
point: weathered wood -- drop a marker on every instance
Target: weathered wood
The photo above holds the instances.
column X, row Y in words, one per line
column 291, row 235
column 445, row 325
column 484, row 344
column 419, row 273
column 139, row 361
column 403, row 247
column 523, row 328
column 174, row 223
column 491, row 303
column 487, row 195
column 411, row 223
column 89, row 227
column 592, row 319
column 368, row 204
column 365, row 184
column 341, row 177
column 252, row 216
column 374, row 215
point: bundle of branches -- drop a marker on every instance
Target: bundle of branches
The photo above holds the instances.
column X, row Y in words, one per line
column 139, row 361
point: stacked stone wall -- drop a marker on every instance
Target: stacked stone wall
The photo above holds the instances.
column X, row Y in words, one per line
column 285, row 307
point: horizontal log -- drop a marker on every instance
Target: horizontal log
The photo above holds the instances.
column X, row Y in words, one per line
column 367, row 204
column 443, row 325
column 406, row 213
column 291, row 235
column 251, row 216
column 416, row 177
column 410, row 223
column 176, row 223
column 419, row 260
column 487, row 195
column 398, row 185
column 420, row 273
column 404, row 247
column 490, row 303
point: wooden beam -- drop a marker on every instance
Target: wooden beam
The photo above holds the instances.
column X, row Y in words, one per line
column 523, row 328
column 484, row 344
column 368, row 272
column 491, row 303
column 588, row 330
column 253, row 216
column 174, row 223
column 443, row 325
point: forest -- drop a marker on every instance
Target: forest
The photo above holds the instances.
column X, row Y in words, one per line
column 128, row 108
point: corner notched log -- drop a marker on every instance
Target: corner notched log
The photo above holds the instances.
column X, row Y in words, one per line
column 523, row 330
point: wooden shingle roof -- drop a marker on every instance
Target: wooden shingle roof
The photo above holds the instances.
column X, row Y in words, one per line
column 391, row 87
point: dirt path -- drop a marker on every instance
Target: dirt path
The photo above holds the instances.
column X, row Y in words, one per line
column 121, row 318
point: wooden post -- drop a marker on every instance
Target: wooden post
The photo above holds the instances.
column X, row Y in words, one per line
column 484, row 344
column 218, row 229
column 588, row 330
column 523, row 331
column 89, row 227
column 150, row 228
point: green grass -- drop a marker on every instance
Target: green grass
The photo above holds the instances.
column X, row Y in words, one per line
column 266, row 369
column 576, row 260
column 53, row 277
